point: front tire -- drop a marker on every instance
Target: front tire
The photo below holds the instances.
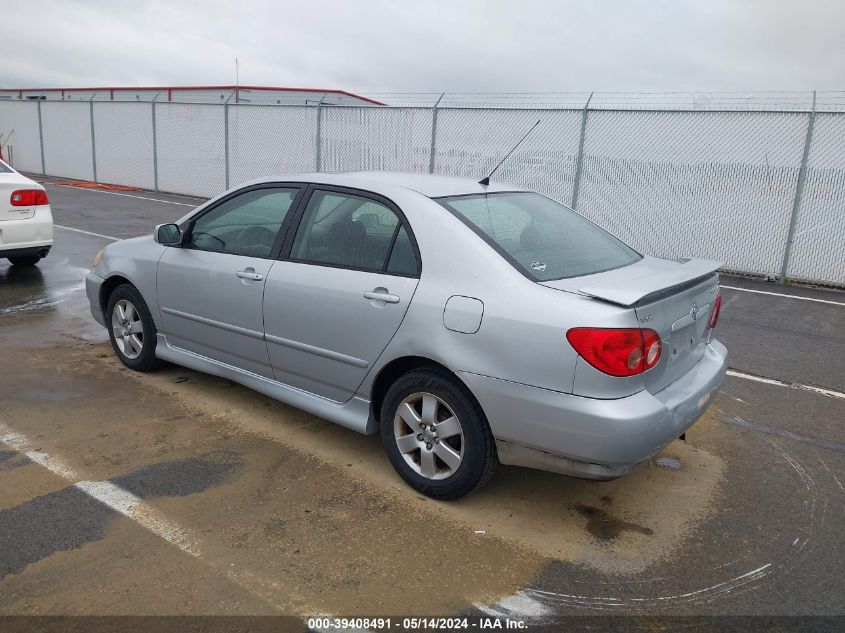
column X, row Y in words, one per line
column 24, row 260
column 436, row 435
column 131, row 329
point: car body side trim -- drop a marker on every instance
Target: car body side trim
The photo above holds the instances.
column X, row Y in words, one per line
column 318, row 351
column 223, row 326
column 353, row 414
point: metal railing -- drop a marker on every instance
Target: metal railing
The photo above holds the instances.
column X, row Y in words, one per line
column 761, row 189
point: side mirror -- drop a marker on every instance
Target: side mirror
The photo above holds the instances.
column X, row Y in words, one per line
column 168, row 234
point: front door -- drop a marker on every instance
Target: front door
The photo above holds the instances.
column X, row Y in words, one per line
column 332, row 307
column 210, row 289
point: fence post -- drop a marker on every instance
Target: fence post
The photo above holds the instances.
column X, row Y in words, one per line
column 93, row 143
column 226, row 139
column 155, row 145
column 579, row 159
column 434, row 133
column 41, row 138
column 799, row 191
column 319, row 148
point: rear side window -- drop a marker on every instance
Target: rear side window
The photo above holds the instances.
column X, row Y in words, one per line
column 403, row 260
column 540, row 237
column 351, row 231
column 4, row 169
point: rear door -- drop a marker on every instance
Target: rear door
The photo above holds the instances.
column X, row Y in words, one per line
column 334, row 302
column 210, row 289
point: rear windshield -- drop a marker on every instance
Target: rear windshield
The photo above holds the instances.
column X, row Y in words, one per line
column 540, row 237
column 4, row 169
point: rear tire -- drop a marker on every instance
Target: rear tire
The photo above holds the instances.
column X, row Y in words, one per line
column 436, row 435
column 131, row 329
column 24, row 260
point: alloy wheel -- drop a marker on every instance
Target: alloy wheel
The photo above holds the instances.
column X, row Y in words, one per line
column 127, row 329
column 429, row 435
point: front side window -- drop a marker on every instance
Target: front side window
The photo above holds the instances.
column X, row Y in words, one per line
column 351, row 231
column 244, row 225
column 542, row 238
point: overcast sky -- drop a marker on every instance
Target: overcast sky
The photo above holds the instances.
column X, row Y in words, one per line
column 419, row 46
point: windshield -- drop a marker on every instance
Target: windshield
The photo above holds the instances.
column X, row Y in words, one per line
column 542, row 238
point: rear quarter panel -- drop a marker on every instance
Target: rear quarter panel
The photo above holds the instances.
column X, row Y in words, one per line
column 522, row 337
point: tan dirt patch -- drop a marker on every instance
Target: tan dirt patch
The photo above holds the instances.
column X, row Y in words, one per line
column 528, row 508
column 303, row 534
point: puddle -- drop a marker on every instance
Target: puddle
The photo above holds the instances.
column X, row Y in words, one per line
column 37, row 287
column 179, row 478
column 69, row 518
column 606, row 527
column 12, row 459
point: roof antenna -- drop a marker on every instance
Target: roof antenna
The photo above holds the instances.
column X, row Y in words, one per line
column 486, row 180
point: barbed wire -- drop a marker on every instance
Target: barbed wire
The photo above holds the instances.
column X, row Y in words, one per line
column 786, row 100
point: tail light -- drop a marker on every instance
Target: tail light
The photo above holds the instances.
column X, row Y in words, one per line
column 28, row 197
column 617, row 352
column 714, row 313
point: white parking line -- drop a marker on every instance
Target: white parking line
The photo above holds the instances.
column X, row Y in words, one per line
column 780, row 383
column 107, row 493
column 70, row 228
column 127, row 504
column 780, row 294
column 118, row 193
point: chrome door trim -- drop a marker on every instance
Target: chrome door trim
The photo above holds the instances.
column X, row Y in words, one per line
column 318, row 351
column 223, row 326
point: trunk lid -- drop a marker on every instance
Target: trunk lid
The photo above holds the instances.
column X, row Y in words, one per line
column 673, row 298
column 9, row 182
column 632, row 284
column 681, row 317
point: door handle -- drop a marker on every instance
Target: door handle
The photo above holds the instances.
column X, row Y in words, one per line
column 381, row 296
column 249, row 274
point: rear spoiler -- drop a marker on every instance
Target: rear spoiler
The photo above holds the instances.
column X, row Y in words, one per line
column 631, row 289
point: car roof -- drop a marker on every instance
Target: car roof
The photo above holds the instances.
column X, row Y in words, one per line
column 430, row 185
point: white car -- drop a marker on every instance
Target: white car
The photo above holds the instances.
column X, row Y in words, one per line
column 26, row 222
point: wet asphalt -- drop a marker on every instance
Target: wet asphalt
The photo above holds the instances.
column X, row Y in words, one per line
column 769, row 541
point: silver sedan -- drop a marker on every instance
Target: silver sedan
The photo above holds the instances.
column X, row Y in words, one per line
column 469, row 324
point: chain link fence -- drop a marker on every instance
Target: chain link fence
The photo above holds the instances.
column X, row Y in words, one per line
column 761, row 190
column 124, row 142
column 818, row 247
column 270, row 140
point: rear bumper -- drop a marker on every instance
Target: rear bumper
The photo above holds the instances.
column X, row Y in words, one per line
column 591, row 438
column 93, row 284
column 22, row 251
column 30, row 234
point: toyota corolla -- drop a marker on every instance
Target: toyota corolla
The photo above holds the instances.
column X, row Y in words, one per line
column 469, row 324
